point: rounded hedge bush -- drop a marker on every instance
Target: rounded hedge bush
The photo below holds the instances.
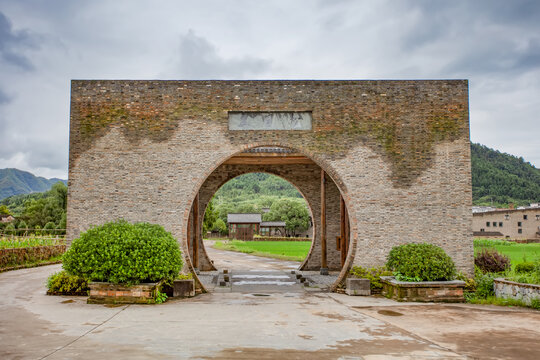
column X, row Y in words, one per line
column 420, row 262
column 124, row 253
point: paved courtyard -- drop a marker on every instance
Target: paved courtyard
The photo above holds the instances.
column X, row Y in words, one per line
column 296, row 324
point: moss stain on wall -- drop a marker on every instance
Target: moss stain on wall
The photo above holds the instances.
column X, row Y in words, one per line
column 404, row 138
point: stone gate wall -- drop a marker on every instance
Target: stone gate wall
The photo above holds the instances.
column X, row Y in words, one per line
column 398, row 151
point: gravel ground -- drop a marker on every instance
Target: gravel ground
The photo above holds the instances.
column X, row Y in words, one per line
column 208, row 279
column 316, row 280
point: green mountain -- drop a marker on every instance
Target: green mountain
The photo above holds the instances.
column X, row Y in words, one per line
column 15, row 182
column 500, row 179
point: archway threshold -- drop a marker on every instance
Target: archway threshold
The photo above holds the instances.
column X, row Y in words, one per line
column 246, row 273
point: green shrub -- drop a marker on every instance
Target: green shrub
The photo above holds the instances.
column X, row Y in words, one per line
column 373, row 274
column 160, row 297
column 23, row 228
column 49, row 228
column 420, row 262
column 62, row 282
column 491, row 261
column 184, row 276
column 524, row 274
column 124, row 253
column 10, row 229
column 484, row 286
column 525, row 267
column 470, row 283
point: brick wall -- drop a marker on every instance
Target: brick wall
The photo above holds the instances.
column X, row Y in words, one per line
column 398, row 151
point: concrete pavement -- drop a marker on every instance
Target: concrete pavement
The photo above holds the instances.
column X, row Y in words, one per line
column 291, row 325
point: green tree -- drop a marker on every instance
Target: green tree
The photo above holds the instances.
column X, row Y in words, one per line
column 220, row 226
column 49, row 228
column 59, row 194
column 210, row 217
column 293, row 212
column 23, row 227
column 4, row 210
column 10, row 229
column 49, row 208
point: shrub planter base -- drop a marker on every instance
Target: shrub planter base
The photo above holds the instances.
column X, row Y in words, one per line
column 424, row 291
column 107, row 293
column 356, row 286
column 518, row 291
column 184, row 288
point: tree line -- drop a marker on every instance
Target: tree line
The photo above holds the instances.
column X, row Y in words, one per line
column 37, row 211
column 273, row 197
column 501, row 179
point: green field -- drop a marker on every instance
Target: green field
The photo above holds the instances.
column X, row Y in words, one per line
column 298, row 250
column 28, row 241
column 516, row 252
column 286, row 250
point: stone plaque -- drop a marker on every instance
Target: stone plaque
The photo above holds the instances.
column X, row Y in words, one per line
column 290, row 120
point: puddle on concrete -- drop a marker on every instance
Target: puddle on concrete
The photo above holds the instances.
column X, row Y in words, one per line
column 67, row 301
column 260, row 294
column 389, row 313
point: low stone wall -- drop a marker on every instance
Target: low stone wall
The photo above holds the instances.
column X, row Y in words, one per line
column 107, row 293
column 423, row 291
column 518, row 291
column 276, row 238
column 14, row 258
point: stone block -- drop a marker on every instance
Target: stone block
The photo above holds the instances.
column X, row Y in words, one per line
column 423, row 291
column 183, row 288
column 107, row 293
column 358, row 287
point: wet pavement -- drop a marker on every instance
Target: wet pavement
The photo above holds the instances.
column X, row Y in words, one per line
column 251, row 273
column 255, row 325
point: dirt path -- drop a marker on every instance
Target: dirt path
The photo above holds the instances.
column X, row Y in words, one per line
column 239, row 261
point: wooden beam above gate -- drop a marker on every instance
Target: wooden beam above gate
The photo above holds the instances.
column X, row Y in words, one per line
column 267, row 158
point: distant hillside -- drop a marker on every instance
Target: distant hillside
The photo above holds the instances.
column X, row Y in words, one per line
column 501, row 179
column 15, row 182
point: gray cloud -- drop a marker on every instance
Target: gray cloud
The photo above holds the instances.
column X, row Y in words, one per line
column 493, row 43
column 487, row 37
column 4, row 98
column 199, row 59
column 12, row 42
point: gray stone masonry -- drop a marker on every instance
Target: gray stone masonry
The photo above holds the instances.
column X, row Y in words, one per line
column 398, row 152
column 357, row 287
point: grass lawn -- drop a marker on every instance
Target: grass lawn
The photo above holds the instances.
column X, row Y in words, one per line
column 28, row 241
column 285, row 250
column 516, row 252
column 298, row 250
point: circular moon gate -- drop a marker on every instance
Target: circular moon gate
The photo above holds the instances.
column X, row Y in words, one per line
column 305, row 175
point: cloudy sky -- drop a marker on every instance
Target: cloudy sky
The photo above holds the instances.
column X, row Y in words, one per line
column 46, row 43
